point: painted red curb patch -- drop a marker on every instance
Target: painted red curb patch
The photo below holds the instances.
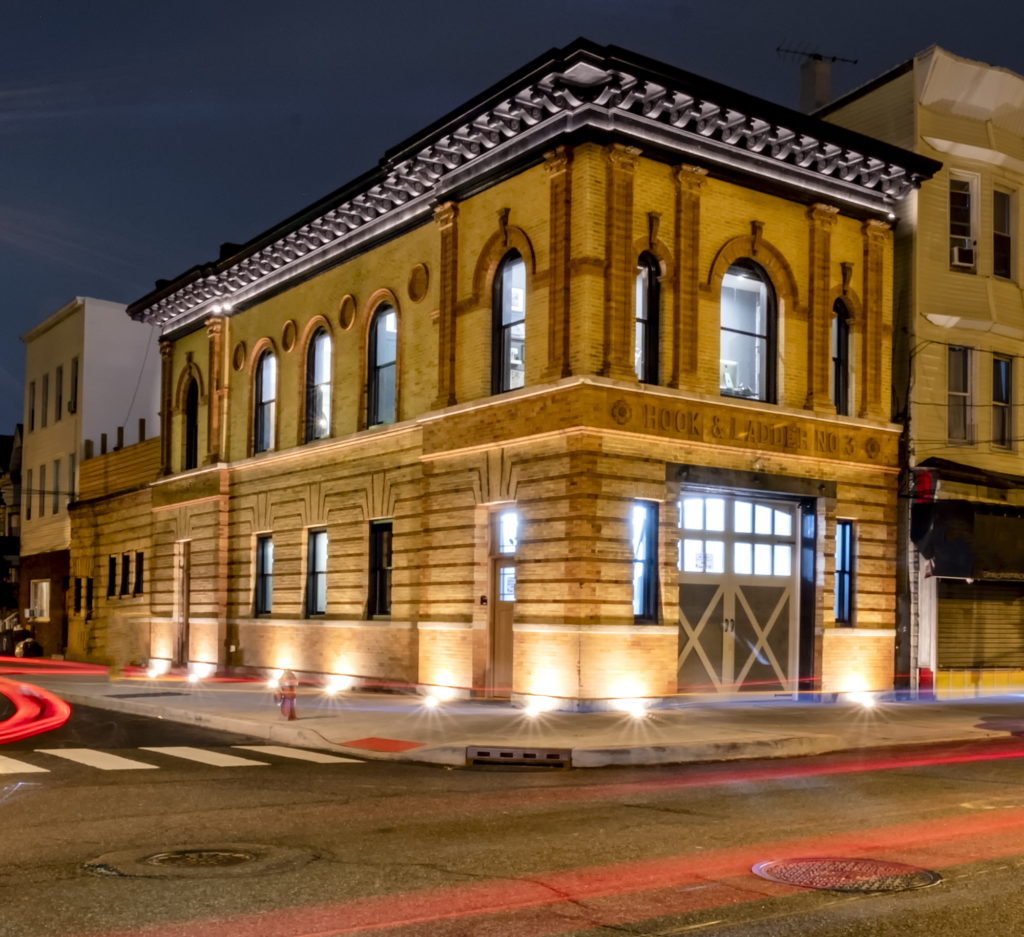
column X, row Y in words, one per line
column 382, row 745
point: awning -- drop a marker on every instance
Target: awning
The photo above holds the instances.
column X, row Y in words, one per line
column 970, row 540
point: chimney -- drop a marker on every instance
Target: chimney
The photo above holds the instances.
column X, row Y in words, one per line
column 815, row 82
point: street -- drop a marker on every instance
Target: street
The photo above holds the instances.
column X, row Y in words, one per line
column 278, row 846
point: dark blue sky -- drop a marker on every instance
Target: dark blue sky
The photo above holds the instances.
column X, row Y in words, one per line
column 135, row 136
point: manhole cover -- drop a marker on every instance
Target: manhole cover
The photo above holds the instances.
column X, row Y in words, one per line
column 200, row 858
column 853, row 875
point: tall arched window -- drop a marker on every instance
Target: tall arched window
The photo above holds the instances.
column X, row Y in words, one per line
column 840, row 383
column 318, row 387
column 747, row 336
column 647, row 320
column 191, row 449
column 265, row 400
column 508, row 334
column 381, row 366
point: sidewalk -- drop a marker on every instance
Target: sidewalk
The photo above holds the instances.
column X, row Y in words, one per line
column 400, row 728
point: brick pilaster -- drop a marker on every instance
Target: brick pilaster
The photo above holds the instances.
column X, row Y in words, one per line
column 819, row 311
column 558, row 164
column 876, row 342
column 620, row 264
column 685, row 312
column 446, row 217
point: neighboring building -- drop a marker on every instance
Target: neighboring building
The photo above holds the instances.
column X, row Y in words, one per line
column 572, row 397
column 10, row 520
column 960, row 316
column 89, row 373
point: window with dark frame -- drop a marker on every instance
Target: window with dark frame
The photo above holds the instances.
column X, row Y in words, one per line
column 958, row 394
column 263, row 597
column 1002, row 234
column 961, row 224
column 44, row 408
column 139, row 573
column 265, row 399
column 77, row 595
column 379, row 599
column 111, row 576
column 747, row 333
column 31, row 406
column 55, row 492
column 381, row 395
column 318, row 387
column 73, row 386
column 27, row 495
column 646, row 320
column 41, row 492
column 844, row 573
column 508, row 331
column 316, row 573
column 841, row 358
column 1002, row 397
column 191, row 454
column 89, row 595
column 58, row 394
column 126, row 567
column 644, row 536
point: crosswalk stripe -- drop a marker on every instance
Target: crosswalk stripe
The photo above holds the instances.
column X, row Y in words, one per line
column 13, row 766
column 205, row 757
column 300, row 754
column 96, row 759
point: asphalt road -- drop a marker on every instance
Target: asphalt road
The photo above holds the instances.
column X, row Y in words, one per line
column 287, row 848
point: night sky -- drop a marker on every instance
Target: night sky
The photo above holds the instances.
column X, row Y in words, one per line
column 137, row 136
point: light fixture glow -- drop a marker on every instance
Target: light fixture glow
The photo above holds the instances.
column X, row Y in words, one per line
column 431, row 701
column 637, row 708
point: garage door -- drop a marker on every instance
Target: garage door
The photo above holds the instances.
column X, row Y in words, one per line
column 980, row 624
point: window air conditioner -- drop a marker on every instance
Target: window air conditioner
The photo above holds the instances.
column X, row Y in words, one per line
column 962, row 256
column 71, row 406
column 29, row 614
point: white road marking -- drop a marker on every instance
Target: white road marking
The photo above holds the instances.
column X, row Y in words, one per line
column 205, row 757
column 299, row 753
column 13, row 766
column 94, row 759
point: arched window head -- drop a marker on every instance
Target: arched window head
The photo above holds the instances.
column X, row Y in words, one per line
column 646, row 320
column 508, row 333
column 382, row 376
column 318, row 387
column 265, row 400
column 747, row 333
column 190, row 455
column 840, row 377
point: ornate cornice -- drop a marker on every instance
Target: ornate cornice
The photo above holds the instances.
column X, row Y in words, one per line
column 583, row 89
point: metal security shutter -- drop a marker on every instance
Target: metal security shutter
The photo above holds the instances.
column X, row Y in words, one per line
column 980, row 624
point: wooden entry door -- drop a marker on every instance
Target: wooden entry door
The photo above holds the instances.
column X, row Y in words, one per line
column 503, row 604
column 738, row 595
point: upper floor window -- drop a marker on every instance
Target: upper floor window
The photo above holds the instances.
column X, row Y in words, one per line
column 31, row 406
column 747, row 342
column 44, row 408
column 265, row 394
column 1002, row 234
column 55, row 491
column 647, row 320
column 962, row 224
column 508, row 338
column 840, row 358
column 318, row 387
column 58, row 393
column 382, row 387
column 26, row 495
column 73, row 386
column 1002, row 401
column 958, row 393
column 191, row 453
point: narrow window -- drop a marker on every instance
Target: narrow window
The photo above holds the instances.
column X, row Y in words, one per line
column 1002, row 395
column 191, row 454
column 647, row 320
column 961, row 224
column 844, row 573
column 747, row 341
column 111, row 576
column 380, row 569
column 316, row 573
column 73, row 387
column 89, row 595
column 1002, row 234
column 77, row 600
column 55, row 493
column 139, row 573
column 58, row 393
column 958, row 394
column 39, row 598
column 508, row 334
column 28, row 495
column 41, row 492
column 318, row 387
column 72, row 472
column 381, row 391
column 841, row 358
column 31, row 406
column 44, row 408
column 126, row 563
column 644, row 530
column 263, row 599
column 265, row 393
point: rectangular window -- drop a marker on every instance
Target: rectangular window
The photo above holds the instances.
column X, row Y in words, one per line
column 72, row 467
column 126, row 568
column 139, row 568
column 27, row 496
column 41, row 492
column 77, row 601
column 961, row 223
column 55, row 493
column 316, row 573
column 73, row 387
column 44, row 408
column 263, row 598
column 111, row 576
column 39, row 597
column 88, row 596
column 958, row 394
column 58, row 393
column 1002, row 396
column 31, row 406
column 380, row 569
column 844, row 573
column 1002, row 234
column 644, row 530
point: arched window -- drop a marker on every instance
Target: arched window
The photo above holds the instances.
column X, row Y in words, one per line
column 840, row 382
column 381, row 366
column 747, row 336
column 647, row 320
column 508, row 334
column 318, row 387
column 265, row 399
column 191, row 451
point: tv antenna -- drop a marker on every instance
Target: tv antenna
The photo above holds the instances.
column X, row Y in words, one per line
column 815, row 75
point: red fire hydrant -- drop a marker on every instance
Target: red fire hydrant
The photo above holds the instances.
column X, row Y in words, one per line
column 286, row 687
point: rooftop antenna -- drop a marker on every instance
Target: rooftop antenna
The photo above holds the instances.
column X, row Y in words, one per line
column 815, row 76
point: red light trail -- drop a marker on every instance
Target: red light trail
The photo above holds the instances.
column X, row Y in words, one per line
column 35, row 710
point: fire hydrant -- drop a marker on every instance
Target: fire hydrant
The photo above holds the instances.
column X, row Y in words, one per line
column 286, row 686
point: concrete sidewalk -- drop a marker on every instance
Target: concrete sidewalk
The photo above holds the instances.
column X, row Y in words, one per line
column 401, row 728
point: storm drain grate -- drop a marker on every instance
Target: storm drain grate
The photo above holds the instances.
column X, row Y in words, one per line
column 520, row 757
column 847, row 875
column 200, row 858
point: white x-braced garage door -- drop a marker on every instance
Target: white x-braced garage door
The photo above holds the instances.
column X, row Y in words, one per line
column 738, row 579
